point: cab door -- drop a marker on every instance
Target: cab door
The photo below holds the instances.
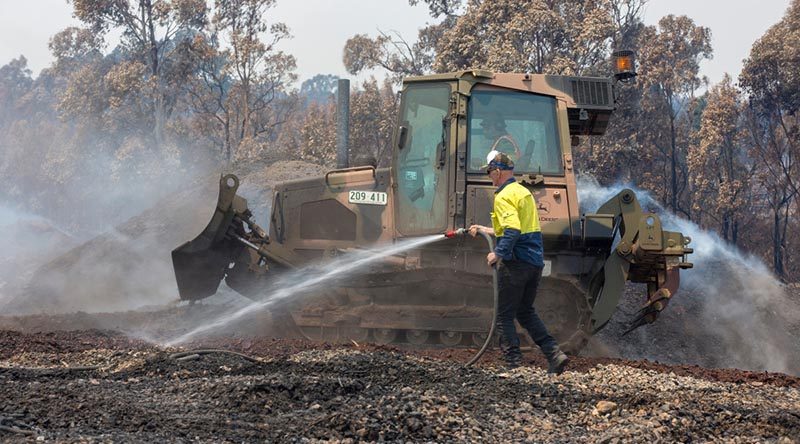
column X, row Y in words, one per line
column 422, row 160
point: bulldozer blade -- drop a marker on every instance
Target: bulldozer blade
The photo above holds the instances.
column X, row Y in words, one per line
column 201, row 263
column 198, row 270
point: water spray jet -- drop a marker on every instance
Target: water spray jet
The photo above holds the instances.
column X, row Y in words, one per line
column 734, row 312
column 309, row 278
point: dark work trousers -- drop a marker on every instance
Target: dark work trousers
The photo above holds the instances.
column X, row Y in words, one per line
column 517, row 283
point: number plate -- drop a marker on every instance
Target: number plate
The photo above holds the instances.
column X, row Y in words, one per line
column 367, row 197
column 548, row 268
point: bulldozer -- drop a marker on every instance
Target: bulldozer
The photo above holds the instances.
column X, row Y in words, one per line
column 440, row 293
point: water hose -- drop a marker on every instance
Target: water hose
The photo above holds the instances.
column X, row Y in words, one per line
column 461, row 232
column 190, row 355
column 55, row 369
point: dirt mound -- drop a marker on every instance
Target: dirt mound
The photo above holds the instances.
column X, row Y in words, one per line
column 15, row 343
column 123, row 269
column 26, row 242
column 257, row 185
column 156, row 325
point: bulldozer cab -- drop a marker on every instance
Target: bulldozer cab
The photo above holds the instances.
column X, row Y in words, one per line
column 522, row 125
column 447, row 125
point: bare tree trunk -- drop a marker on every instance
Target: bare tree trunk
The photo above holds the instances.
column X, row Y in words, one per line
column 777, row 250
column 726, row 225
column 673, row 162
column 783, row 239
column 158, row 111
column 228, row 150
column 245, row 111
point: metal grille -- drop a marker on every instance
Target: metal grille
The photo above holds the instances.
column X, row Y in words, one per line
column 590, row 93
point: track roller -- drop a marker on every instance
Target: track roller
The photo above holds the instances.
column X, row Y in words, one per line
column 478, row 338
column 450, row 338
column 356, row 334
column 417, row 337
column 384, row 336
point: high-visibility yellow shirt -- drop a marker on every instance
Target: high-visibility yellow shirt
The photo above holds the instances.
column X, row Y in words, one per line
column 515, row 221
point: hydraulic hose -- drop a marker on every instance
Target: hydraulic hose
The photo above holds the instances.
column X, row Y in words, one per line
column 490, row 241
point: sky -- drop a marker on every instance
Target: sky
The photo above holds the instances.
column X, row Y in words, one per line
column 321, row 27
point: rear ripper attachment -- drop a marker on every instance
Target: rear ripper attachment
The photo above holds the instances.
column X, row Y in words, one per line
column 645, row 253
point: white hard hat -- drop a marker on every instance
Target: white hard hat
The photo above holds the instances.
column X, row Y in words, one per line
column 490, row 157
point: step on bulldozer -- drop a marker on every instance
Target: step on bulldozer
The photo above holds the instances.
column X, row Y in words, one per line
column 440, row 293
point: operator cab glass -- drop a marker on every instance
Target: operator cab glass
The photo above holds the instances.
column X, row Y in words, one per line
column 522, row 125
column 421, row 175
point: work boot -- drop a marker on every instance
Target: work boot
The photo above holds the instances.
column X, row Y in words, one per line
column 557, row 362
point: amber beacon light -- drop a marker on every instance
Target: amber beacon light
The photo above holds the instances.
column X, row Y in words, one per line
column 623, row 65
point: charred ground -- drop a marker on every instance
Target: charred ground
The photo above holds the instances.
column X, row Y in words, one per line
column 298, row 391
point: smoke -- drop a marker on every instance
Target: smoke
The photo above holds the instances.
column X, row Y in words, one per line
column 120, row 260
column 26, row 240
column 116, row 254
column 730, row 311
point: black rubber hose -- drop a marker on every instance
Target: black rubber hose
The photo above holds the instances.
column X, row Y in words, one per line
column 55, row 369
column 478, row 355
column 190, row 353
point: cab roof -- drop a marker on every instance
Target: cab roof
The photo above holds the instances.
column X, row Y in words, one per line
column 586, row 98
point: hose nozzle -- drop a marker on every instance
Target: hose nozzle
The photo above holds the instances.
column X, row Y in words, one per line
column 453, row 233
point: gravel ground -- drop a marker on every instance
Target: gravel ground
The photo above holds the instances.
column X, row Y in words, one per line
column 297, row 391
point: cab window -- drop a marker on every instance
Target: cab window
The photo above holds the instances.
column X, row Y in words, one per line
column 522, row 125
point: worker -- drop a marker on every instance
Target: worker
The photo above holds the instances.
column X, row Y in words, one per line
column 519, row 259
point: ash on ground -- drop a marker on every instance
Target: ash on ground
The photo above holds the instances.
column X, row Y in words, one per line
column 97, row 386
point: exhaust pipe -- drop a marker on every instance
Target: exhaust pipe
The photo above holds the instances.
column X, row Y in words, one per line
column 342, row 124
